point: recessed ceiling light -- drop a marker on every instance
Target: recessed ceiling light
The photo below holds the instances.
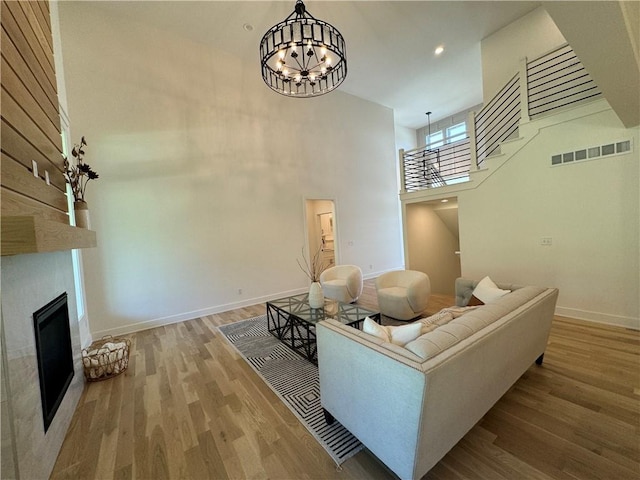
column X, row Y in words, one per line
column 248, row 27
column 444, row 200
column 439, row 50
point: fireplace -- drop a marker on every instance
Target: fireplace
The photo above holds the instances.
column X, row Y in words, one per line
column 54, row 354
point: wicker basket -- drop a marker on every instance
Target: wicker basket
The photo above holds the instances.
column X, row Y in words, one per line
column 105, row 358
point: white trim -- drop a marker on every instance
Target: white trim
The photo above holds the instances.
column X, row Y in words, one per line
column 336, row 231
column 599, row 317
column 86, row 338
column 372, row 275
column 181, row 317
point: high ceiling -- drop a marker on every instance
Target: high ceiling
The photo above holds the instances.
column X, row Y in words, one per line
column 390, row 44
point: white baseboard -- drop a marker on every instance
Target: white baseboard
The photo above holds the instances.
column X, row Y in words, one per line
column 368, row 276
column 181, row 317
column 598, row 317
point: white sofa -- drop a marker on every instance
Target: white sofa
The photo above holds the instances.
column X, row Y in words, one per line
column 410, row 405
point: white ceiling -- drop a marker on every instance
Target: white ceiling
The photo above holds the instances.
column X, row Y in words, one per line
column 390, row 44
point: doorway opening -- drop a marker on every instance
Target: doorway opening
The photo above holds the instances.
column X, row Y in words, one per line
column 433, row 242
column 321, row 230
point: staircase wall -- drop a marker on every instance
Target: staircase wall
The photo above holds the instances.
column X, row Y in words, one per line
column 531, row 36
column 590, row 210
column 606, row 40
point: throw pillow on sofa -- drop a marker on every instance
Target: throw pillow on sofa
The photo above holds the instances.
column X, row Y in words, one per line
column 486, row 292
column 400, row 335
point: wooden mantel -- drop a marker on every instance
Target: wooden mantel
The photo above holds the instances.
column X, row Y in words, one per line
column 34, row 207
column 33, row 234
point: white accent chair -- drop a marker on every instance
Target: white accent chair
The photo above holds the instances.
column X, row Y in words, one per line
column 403, row 294
column 342, row 283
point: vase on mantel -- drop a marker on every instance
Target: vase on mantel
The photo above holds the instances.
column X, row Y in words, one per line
column 316, row 298
column 81, row 210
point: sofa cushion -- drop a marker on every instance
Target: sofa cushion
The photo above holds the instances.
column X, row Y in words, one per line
column 398, row 335
column 444, row 336
column 486, row 291
column 373, row 328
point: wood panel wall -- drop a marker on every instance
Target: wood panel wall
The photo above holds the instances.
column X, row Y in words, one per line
column 30, row 118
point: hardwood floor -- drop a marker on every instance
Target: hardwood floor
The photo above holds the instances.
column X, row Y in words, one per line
column 190, row 407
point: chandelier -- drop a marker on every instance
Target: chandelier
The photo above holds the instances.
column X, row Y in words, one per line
column 302, row 56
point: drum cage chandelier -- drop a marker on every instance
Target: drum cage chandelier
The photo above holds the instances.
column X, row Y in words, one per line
column 302, row 56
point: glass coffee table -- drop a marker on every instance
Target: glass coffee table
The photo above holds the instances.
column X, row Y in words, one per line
column 292, row 321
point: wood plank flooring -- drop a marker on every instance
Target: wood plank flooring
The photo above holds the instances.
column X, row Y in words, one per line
column 190, row 407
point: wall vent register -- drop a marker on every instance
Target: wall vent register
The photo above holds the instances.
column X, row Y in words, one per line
column 589, row 153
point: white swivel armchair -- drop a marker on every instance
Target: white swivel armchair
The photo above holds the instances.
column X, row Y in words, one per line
column 403, row 294
column 342, row 283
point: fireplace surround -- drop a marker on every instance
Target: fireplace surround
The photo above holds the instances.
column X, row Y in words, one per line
column 28, row 283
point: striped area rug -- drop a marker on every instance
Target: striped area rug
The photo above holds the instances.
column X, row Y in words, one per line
column 293, row 379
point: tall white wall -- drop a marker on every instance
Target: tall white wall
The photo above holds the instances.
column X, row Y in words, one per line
column 203, row 172
column 590, row 210
column 530, row 36
column 405, row 138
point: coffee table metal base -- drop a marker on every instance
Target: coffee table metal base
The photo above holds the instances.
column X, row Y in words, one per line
column 293, row 321
column 298, row 335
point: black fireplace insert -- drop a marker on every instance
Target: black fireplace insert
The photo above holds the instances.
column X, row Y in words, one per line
column 54, row 353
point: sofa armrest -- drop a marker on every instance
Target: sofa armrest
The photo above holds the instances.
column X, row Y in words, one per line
column 464, row 289
column 360, row 382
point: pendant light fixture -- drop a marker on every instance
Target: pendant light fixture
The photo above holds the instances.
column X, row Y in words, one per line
column 428, row 165
column 302, row 56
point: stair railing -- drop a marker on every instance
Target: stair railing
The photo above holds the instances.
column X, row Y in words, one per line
column 555, row 80
column 498, row 120
column 428, row 168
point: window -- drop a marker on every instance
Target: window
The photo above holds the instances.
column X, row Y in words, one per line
column 457, row 132
column 75, row 254
column 435, row 140
column 451, row 134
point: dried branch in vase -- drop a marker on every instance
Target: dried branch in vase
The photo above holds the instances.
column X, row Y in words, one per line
column 78, row 175
column 313, row 268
